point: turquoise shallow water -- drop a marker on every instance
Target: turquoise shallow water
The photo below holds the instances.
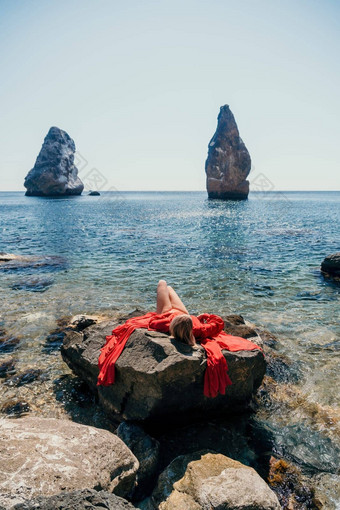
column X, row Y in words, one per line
column 260, row 258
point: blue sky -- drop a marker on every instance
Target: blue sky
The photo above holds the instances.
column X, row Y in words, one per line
column 138, row 86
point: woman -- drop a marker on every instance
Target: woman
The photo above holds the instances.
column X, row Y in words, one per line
column 168, row 301
column 172, row 316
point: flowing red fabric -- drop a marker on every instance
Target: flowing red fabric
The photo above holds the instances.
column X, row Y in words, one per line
column 207, row 329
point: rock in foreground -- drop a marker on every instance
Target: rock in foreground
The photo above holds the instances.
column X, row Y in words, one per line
column 228, row 163
column 207, row 481
column 47, row 456
column 331, row 265
column 54, row 172
column 159, row 379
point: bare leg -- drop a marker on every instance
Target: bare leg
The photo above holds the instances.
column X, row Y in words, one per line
column 176, row 302
column 163, row 298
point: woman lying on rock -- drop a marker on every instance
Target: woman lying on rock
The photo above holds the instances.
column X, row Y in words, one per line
column 172, row 316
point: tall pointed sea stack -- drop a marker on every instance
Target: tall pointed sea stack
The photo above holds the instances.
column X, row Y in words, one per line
column 54, row 172
column 228, row 163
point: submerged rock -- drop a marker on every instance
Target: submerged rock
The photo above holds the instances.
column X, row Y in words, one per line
column 47, row 456
column 54, row 172
column 331, row 265
column 7, row 342
column 292, row 490
column 26, row 377
column 33, row 284
column 15, row 408
column 7, row 367
column 206, row 480
column 228, row 163
column 159, row 378
column 12, row 262
column 77, row 500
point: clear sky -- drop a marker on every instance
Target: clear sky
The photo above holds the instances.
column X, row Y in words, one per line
column 138, row 86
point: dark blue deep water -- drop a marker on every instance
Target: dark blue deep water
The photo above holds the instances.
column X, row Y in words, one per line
column 260, row 258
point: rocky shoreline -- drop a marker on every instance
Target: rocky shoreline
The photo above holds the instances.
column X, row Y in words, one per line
column 163, row 457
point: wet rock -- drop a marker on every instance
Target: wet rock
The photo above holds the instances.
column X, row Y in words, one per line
column 15, row 408
column 47, row 456
column 228, row 163
column 282, row 369
column 33, row 284
column 206, row 480
column 65, row 324
column 147, row 450
column 158, row 378
column 80, row 322
column 12, row 262
column 55, row 338
column 234, row 319
column 268, row 338
column 7, row 342
column 54, row 172
column 88, row 499
column 7, row 367
column 241, row 330
column 331, row 265
column 292, row 490
column 26, row 377
column 94, row 194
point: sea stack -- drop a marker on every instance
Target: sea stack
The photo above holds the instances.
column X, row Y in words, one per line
column 228, row 162
column 54, row 172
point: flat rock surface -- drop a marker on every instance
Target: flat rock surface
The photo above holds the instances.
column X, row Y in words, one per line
column 46, row 456
column 159, row 378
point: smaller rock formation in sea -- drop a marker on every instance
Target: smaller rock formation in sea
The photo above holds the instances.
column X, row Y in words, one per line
column 54, row 172
column 228, row 163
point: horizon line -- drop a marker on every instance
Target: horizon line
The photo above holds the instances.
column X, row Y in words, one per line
column 190, row 191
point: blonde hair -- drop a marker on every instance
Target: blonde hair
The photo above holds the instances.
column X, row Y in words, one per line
column 181, row 328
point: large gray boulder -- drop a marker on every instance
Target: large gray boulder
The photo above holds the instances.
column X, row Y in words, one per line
column 331, row 265
column 207, row 481
column 159, row 379
column 228, row 163
column 44, row 456
column 54, row 172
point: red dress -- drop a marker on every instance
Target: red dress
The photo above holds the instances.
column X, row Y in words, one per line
column 207, row 329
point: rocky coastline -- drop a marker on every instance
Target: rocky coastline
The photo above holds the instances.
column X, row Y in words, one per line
column 202, row 460
column 163, row 431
